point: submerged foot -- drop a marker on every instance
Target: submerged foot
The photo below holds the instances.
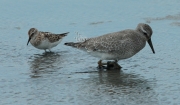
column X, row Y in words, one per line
column 113, row 65
column 110, row 65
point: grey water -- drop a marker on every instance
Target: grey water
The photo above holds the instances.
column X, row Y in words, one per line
column 29, row 76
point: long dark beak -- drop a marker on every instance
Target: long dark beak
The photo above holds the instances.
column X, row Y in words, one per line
column 28, row 40
column 151, row 45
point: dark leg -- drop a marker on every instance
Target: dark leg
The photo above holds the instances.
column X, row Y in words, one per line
column 113, row 65
column 100, row 64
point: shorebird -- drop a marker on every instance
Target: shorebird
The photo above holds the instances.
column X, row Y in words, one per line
column 44, row 40
column 117, row 45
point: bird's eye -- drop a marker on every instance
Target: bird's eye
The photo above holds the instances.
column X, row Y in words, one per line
column 144, row 33
column 32, row 34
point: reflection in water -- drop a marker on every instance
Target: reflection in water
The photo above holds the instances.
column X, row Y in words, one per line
column 120, row 79
column 46, row 62
column 121, row 87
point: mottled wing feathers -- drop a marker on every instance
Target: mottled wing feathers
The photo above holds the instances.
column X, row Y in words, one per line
column 54, row 37
column 106, row 43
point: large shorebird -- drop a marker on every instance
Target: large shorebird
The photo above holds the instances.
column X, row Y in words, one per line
column 118, row 45
column 44, row 40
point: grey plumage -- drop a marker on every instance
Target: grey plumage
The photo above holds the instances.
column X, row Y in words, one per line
column 117, row 45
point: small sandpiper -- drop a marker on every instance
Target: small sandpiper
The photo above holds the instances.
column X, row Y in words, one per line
column 117, row 45
column 44, row 40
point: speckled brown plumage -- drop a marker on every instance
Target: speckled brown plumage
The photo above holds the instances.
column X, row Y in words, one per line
column 53, row 37
column 44, row 40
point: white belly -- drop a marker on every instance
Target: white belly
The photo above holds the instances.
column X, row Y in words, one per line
column 45, row 44
column 103, row 56
column 110, row 56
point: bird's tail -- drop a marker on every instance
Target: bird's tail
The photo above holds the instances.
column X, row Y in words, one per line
column 72, row 44
column 64, row 34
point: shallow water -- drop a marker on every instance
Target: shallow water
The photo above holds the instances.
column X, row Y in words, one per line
column 69, row 76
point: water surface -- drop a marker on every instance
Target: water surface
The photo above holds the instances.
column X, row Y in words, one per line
column 29, row 76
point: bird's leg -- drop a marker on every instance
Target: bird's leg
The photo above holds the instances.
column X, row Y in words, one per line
column 110, row 65
column 100, row 64
column 113, row 65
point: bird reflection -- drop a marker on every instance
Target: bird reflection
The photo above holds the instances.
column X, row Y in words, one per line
column 46, row 62
column 123, row 87
column 118, row 78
